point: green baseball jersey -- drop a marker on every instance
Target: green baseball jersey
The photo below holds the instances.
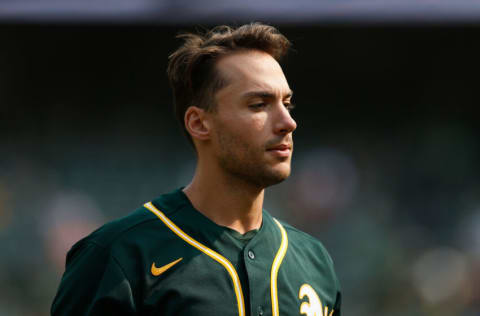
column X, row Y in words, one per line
column 166, row 258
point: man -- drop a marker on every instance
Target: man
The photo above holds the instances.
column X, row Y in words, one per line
column 210, row 248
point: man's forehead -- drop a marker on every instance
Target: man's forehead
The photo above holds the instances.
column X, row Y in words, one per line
column 253, row 70
column 243, row 61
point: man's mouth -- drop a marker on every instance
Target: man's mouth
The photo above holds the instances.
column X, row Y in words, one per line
column 282, row 150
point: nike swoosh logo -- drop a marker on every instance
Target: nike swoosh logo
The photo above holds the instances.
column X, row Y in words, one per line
column 157, row 271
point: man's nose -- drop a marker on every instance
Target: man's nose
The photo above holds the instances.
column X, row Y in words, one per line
column 284, row 124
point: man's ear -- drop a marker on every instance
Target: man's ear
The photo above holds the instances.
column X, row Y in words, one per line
column 196, row 123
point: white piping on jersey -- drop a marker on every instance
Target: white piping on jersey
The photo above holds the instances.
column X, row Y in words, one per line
column 209, row 252
column 275, row 266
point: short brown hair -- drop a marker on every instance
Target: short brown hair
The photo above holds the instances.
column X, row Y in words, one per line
column 191, row 68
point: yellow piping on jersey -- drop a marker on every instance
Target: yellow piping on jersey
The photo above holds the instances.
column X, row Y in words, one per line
column 209, row 252
column 275, row 266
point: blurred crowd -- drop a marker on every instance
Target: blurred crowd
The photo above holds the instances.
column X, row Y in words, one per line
column 399, row 212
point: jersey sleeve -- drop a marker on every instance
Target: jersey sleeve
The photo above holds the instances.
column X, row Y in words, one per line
column 338, row 296
column 338, row 303
column 338, row 300
column 93, row 284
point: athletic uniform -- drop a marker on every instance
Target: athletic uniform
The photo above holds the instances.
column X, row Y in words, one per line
column 166, row 258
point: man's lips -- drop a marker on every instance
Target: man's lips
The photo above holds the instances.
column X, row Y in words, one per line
column 281, row 147
column 282, row 150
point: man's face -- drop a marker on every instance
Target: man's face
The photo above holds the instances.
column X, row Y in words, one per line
column 252, row 136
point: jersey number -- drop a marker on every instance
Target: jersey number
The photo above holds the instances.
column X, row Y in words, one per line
column 314, row 305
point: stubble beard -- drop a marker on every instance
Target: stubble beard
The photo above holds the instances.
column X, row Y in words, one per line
column 247, row 163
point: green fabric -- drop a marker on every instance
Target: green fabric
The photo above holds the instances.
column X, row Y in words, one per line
column 109, row 272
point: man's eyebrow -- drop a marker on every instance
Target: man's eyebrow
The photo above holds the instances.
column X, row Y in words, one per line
column 265, row 94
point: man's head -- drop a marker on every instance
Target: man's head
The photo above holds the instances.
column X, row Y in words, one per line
column 233, row 100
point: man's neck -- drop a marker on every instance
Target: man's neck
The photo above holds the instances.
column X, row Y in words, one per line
column 227, row 202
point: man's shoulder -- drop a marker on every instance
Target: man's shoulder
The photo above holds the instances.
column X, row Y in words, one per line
column 300, row 234
column 113, row 236
column 305, row 242
column 139, row 228
column 125, row 227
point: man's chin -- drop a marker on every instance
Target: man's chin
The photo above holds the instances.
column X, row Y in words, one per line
column 276, row 176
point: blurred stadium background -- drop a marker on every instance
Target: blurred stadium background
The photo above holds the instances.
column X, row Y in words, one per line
column 386, row 165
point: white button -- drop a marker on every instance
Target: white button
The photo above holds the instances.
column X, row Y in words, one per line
column 251, row 255
column 260, row 311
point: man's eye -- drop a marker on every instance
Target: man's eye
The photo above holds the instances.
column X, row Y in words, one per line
column 289, row 106
column 257, row 106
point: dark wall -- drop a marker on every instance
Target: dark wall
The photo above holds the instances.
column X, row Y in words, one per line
column 340, row 71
